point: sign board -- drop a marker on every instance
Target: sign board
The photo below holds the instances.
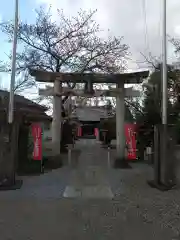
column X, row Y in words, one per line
column 131, row 141
column 37, row 141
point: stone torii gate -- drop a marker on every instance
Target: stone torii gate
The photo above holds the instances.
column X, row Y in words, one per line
column 89, row 78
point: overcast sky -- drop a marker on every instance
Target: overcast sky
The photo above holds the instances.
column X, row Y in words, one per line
column 127, row 18
column 123, row 18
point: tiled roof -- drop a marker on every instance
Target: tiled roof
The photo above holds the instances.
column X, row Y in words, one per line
column 21, row 99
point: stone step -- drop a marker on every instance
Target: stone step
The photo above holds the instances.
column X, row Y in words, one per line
column 88, row 192
column 88, row 176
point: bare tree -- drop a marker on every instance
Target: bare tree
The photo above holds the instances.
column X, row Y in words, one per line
column 68, row 44
column 176, row 43
column 150, row 60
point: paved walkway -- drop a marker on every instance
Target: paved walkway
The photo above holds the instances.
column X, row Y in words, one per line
column 89, row 180
column 102, row 203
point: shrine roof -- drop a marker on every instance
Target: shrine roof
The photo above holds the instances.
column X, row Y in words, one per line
column 127, row 78
column 18, row 99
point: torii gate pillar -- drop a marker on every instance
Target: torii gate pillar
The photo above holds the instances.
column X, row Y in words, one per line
column 120, row 116
column 57, row 119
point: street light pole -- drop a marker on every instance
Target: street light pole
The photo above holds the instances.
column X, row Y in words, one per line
column 13, row 71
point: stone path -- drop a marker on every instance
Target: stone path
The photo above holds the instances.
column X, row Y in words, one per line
column 89, row 180
column 112, row 204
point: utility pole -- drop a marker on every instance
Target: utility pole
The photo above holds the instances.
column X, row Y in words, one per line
column 13, row 71
column 164, row 65
column 164, row 158
column 161, row 137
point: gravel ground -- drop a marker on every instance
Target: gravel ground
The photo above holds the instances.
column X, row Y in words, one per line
column 38, row 210
column 154, row 206
column 72, row 219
